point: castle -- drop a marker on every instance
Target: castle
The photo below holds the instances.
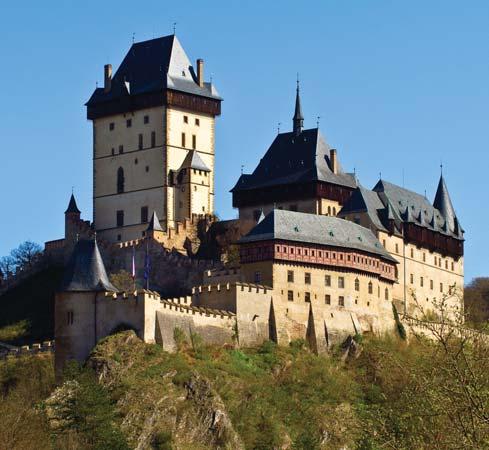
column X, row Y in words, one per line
column 320, row 256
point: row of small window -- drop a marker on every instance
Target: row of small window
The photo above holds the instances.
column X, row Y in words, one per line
column 421, row 282
column 437, row 260
column 197, row 121
column 140, row 143
column 194, row 141
column 128, row 123
column 120, row 216
column 327, row 297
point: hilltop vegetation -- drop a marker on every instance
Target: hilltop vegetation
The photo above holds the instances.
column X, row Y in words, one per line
column 135, row 395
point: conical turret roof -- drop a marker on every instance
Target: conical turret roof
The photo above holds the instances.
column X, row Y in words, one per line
column 86, row 270
column 72, row 207
column 154, row 223
column 443, row 203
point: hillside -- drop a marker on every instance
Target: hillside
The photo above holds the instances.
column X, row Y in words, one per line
column 135, row 395
column 28, row 309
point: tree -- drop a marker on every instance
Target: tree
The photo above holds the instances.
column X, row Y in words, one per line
column 122, row 280
column 26, row 254
column 476, row 299
column 7, row 267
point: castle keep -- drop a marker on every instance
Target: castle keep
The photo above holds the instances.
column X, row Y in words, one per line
column 317, row 256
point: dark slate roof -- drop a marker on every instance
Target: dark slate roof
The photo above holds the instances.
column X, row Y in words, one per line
column 152, row 66
column 72, row 207
column 86, row 270
column 295, row 159
column 315, row 229
column 194, row 161
column 154, row 223
column 444, row 204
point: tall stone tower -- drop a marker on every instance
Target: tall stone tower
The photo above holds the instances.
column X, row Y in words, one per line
column 150, row 120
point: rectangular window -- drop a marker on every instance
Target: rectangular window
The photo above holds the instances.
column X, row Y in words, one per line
column 327, row 280
column 257, row 277
column 144, row 214
column 153, row 139
column 412, row 253
column 146, row 119
column 397, row 248
column 424, row 257
column 341, row 300
column 111, row 126
column 307, row 297
column 307, row 278
column 185, row 119
column 183, row 139
column 197, row 122
column 290, row 276
column 121, row 149
column 441, row 287
column 140, row 141
column 341, row 282
column 129, row 123
column 120, row 218
column 421, row 281
column 290, row 296
column 453, row 266
column 431, row 284
column 194, row 141
column 411, row 278
column 327, row 299
column 69, row 318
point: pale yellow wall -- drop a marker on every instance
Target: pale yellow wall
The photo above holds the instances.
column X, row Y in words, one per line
column 425, row 268
column 176, row 153
column 306, row 206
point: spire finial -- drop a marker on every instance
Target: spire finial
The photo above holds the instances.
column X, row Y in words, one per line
column 133, row 37
column 298, row 119
column 380, row 175
column 318, row 118
column 278, row 127
column 441, row 168
column 72, row 190
column 174, row 28
column 242, row 167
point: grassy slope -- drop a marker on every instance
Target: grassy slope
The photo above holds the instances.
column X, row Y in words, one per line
column 28, row 309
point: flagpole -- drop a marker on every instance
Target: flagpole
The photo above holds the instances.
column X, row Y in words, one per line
column 134, row 267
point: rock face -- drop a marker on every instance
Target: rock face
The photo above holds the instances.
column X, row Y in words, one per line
column 154, row 400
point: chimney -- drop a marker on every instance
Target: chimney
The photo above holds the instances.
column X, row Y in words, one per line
column 200, row 72
column 107, row 77
column 333, row 159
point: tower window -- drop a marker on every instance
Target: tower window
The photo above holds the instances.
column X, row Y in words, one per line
column 185, row 119
column 140, row 141
column 129, row 123
column 144, row 214
column 397, row 248
column 69, row 318
column 307, row 278
column 370, row 288
column 307, row 297
column 197, row 122
column 194, row 141
column 357, row 284
column 153, row 139
column 341, row 300
column 120, row 180
column 120, row 218
column 290, row 276
column 341, row 282
column 146, row 119
column 327, row 299
column 290, row 296
column 113, row 151
column 121, row 149
column 111, row 126
column 327, row 280
column 147, row 168
column 421, row 281
column 183, row 139
column 257, row 277
column 136, row 161
column 386, row 294
column 431, row 284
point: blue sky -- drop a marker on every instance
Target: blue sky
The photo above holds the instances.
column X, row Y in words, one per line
column 399, row 86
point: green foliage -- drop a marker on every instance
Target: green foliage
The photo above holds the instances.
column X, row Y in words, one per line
column 28, row 309
column 180, row 338
column 123, row 281
column 162, row 441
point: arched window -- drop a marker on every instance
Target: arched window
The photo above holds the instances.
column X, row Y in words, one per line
column 370, row 287
column 386, row 294
column 120, row 180
column 357, row 284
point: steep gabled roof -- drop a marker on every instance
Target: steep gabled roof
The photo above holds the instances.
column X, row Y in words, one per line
column 315, row 229
column 194, row 161
column 151, row 66
column 295, row 159
column 72, row 207
column 154, row 223
column 86, row 271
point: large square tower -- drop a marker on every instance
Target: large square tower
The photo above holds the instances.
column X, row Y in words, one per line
column 149, row 120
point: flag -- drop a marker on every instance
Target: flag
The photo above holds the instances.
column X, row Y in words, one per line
column 147, row 266
column 133, row 263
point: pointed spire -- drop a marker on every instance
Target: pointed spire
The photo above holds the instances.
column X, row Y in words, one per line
column 298, row 118
column 408, row 216
column 72, row 207
column 262, row 216
column 86, row 271
column 443, row 203
column 154, row 223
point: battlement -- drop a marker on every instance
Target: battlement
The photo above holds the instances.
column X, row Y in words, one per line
column 44, row 347
column 133, row 295
column 237, row 285
column 190, row 309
